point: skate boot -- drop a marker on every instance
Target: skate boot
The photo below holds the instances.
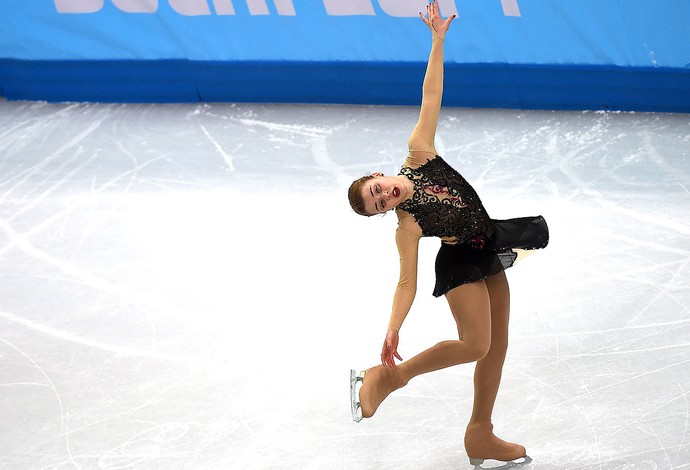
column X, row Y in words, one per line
column 381, row 381
column 481, row 444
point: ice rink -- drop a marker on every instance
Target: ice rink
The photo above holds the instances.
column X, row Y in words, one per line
column 183, row 287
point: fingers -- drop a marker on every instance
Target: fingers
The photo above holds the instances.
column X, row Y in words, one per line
column 424, row 19
column 387, row 359
column 389, row 350
column 430, row 11
column 432, row 14
column 432, row 8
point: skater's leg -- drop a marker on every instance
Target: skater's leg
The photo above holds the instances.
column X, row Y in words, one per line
column 471, row 309
column 480, row 441
column 487, row 376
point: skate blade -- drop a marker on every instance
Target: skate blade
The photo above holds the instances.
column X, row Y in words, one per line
column 511, row 464
column 354, row 396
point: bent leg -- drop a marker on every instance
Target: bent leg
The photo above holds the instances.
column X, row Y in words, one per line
column 471, row 309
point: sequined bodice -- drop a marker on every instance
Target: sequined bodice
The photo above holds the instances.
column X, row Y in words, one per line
column 445, row 205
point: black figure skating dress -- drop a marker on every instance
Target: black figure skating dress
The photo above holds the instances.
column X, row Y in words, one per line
column 474, row 246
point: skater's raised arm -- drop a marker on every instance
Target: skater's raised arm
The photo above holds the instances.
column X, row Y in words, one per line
column 422, row 138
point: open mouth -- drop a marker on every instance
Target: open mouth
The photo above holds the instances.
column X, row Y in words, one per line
column 396, row 192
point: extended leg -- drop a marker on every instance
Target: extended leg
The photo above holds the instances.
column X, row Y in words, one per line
column 470, row 306
column 480, row 441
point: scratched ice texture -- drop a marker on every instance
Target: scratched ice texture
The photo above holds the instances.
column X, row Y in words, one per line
column 185, row 287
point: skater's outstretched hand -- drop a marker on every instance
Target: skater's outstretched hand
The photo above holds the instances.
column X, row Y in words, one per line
column 390, row 349
column 433, row 19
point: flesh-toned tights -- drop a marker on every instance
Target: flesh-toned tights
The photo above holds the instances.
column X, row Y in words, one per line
column 481, row 311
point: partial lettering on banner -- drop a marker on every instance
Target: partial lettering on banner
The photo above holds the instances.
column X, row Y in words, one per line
column 78, row 6
column 510, row 8
column 183, row 7
column 398, row 8
column 395, row 8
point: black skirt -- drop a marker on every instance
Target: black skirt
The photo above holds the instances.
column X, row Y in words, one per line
column 461, row 264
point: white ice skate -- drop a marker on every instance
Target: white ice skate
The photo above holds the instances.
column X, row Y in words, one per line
column 354, row 394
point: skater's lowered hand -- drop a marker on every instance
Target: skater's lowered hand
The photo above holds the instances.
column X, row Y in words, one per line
column 390, row 349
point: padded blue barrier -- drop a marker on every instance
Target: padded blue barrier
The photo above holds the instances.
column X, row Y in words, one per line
column 548, row 54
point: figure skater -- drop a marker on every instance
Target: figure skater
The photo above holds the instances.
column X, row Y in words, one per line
column 430, row 198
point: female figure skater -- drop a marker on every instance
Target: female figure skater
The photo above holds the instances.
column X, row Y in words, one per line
column 432, row 199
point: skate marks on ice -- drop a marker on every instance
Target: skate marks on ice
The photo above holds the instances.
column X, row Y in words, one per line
column 142, row 325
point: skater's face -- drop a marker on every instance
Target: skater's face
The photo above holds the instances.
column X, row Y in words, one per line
column 383, row 193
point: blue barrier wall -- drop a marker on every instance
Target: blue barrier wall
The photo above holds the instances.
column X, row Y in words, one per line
column 553, row 54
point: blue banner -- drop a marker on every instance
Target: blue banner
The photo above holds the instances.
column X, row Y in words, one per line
column 516, row 53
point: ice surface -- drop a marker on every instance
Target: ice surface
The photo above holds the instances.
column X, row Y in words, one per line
column 183, row 286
